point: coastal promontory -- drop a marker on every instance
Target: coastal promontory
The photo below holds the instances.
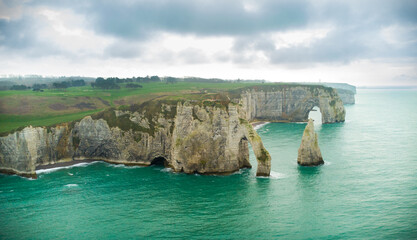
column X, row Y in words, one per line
column 204, row 133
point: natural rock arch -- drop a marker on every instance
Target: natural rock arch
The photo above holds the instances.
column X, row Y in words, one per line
column 292, row 104
column 262, row 155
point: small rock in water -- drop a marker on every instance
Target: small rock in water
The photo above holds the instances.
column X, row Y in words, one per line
column 309, row 152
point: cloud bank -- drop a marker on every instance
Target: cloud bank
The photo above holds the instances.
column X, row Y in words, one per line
column 286, row 35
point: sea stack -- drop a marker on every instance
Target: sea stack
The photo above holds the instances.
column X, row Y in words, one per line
column 309, row 152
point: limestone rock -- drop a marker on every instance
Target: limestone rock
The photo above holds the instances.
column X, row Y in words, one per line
column 348, row 97
column 192, row 138
column 309, row 152
column 346, row 91
column 207, row 137
column 292, row 103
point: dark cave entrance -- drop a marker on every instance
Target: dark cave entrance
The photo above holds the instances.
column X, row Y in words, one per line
column 159, row 161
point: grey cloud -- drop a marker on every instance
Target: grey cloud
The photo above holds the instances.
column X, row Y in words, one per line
column 136, row 19
column 123, row 49
column 221, row 57
column 341, row 45
column 10, row 9
column 357, row 26
column 21, row 37
column 192, row 56
column 17, row 34
column 338, row 46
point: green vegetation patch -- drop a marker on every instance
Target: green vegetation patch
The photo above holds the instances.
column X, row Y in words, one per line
column 264, row 155
column 13, row 123
column 151, row 110
column 123, row 122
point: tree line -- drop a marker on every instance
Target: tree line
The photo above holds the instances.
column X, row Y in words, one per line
column 56, row 85
column 113, row 82
column 67, row 84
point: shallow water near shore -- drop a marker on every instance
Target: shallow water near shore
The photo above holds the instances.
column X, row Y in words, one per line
column 367, row 189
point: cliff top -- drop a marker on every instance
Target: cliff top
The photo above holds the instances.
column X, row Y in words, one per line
column 53, row 107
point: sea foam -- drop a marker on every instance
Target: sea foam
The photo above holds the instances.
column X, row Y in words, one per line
column 71, row 185
column 166, row 170
column 260, row 125
column 121, row 165
column 49, row 170
column 274, row 175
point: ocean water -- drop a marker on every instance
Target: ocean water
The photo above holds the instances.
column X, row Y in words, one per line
column 366, row 190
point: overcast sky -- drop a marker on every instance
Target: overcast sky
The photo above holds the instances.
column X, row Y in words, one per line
column 358, row 42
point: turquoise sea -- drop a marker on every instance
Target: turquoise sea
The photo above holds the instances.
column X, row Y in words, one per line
column 366, row 190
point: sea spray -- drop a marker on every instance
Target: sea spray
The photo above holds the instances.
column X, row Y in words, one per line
column 49, row 170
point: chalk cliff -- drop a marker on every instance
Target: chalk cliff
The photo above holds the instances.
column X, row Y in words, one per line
column 208, row 136
column 201, row 138
column 285, row 103
column 309, row 153
column 347, row 96
column 346, row 91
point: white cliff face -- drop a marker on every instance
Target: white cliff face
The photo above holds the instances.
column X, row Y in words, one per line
column 191, row 138
column 213, row 140
column 208, row 140
column 292, row 104
column 348, row 97
column 21, row 152
column 208, row 137
column 309, row 153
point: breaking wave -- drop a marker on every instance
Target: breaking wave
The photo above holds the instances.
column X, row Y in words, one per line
column 49, row 170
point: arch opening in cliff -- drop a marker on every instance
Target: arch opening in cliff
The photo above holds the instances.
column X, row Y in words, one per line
column 292, row 104
column 243, row 156
column 262, row 155
column 159, row 161
column 316, row 115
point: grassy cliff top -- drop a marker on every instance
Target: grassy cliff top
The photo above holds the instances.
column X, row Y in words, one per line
column 53, row 106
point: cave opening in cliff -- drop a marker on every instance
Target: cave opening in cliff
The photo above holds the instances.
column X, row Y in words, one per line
column 315, row 114
column 159, row 161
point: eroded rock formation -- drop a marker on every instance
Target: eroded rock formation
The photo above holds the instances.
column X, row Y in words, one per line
column 347, row 97
column 346, row 91
column 208, row 136
column 292, row 103
column 309, row 153
column 192, row 138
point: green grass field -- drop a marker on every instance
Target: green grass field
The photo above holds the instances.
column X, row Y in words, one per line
column 111, row 95
column 11, row 122
column 23, row 108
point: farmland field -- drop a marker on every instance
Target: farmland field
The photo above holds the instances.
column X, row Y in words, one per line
column 23, row 108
